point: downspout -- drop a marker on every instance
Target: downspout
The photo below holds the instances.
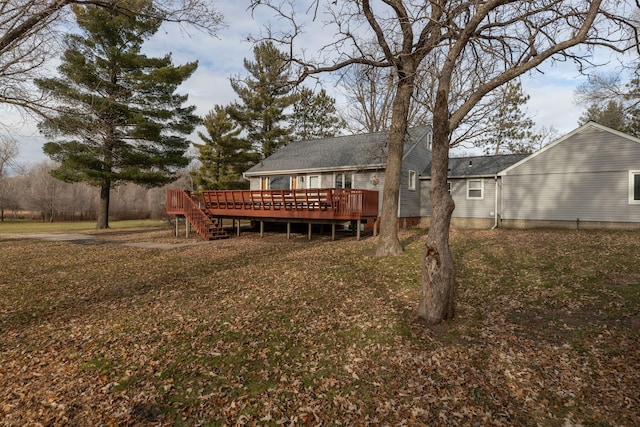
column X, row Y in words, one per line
column 495, row 207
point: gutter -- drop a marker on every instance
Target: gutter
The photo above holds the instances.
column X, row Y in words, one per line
column 495, row 207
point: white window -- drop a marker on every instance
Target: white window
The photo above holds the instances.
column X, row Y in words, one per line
column 343, row 180
column 412, row 180
column 475, row 189
column 634, row 187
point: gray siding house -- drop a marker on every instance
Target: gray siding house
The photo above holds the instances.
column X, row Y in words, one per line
column 475, row 186
column 588, row 178
column 355, row 161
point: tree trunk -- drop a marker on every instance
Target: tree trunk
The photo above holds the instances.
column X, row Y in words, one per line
column 438, row 275
column 388, row 242
column 103, row 210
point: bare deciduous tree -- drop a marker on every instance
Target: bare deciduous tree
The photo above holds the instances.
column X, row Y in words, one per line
column 8, row 153
column 29, row 31
column 370, row 92
column 498, row 40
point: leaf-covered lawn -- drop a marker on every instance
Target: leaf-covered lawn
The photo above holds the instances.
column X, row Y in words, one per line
column 290, row 332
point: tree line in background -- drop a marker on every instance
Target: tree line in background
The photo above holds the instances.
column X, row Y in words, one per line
column 34, row 194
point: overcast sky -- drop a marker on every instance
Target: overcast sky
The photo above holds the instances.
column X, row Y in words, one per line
column 551, row 103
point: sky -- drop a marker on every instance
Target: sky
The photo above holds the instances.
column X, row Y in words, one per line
column 551, row 93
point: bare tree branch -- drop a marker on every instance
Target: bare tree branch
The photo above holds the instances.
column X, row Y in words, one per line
column 30, row 31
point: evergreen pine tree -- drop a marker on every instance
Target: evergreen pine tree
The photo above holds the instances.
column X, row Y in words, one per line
column 265, row 96
column 633, row 101
column 117, row 106
column 510, row 130
column 223, row 156
column 315, row 116
column 612, row 115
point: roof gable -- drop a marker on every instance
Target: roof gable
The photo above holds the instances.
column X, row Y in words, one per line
column 581, row 129
column 360, row 151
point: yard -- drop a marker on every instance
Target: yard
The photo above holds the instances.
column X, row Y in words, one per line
column 293, row 332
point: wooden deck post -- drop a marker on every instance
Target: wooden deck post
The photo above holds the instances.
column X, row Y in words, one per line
column 261, row 228
column 177, row 225
column 288, row 230
column 333, row 231
column 186, row 227
column 358, row 230
column 238, row 229
column 310, row 225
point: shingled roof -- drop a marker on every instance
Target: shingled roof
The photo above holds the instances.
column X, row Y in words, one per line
column 479, row 165
column 363, row 151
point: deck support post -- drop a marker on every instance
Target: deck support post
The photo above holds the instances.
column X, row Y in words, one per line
column 288, row 230
column 261, row 228
column 333, row 231
column 186, row 227
column 310, row 225
column 358, row 230
column 238, row 229
column 177, row 226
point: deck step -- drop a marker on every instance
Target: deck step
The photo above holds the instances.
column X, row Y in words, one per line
column 216, row 232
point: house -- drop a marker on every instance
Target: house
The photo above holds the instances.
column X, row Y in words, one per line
column 588, row 178
column 475, row 185
column 355, row 161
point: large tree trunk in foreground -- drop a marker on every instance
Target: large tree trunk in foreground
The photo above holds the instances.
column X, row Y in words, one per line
column 103, row 209
column 388, row 242
column 437, row 301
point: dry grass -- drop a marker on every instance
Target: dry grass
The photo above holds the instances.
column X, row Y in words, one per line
column 274, row 331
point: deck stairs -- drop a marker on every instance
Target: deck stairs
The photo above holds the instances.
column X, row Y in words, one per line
column 205, row 224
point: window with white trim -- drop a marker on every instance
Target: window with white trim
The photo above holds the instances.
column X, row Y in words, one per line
column 634, row 187
column 343, row 180
column 265, row 183
column 475, row 189
column 412, row 180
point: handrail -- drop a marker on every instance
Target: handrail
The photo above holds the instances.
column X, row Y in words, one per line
column 180, row 201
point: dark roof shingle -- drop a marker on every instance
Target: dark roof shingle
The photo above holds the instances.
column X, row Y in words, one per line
column 356, row 151
column 479, row 165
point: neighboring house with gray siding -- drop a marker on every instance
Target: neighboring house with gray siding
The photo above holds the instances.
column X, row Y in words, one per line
column 354, row 161
column 588, row 178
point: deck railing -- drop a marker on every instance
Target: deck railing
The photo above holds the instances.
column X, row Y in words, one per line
column 324, row 203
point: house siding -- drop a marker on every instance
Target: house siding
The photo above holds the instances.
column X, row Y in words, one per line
column 465, row 208
column 584, row 177
column 410, row 200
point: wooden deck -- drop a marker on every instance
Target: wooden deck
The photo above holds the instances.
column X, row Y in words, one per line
column 328, row 205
